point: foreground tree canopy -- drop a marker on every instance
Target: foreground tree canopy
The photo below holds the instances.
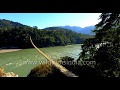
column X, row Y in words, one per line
column 14, row 34
column 104, row 48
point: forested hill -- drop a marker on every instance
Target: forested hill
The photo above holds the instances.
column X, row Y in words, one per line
column 9, row 24
column 14, row 34
column 83, row 36
column 55, row 28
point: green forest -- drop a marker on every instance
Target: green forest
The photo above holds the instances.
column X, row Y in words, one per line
column 104, row 48
column 16, row 35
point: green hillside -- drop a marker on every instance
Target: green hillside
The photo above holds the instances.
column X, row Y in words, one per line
column 14, row 34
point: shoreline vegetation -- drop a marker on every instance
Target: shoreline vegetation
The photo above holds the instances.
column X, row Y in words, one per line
column 8, row 74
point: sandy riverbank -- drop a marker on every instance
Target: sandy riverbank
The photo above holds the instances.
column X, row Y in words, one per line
column 8, row 50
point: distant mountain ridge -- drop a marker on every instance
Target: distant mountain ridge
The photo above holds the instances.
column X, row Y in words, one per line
column 85, row 30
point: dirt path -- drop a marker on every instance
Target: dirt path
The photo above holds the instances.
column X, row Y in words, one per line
column 8, row 50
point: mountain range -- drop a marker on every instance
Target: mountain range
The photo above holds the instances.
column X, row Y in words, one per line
column 85, row 30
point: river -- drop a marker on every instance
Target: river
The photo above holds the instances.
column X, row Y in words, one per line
column 21, row 62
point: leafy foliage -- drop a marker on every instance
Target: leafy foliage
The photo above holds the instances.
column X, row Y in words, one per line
column 104, row 48
column 47, row 70
column 77, row 68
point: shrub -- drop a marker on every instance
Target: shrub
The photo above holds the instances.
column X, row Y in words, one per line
column 45, row 70
column 80, row 70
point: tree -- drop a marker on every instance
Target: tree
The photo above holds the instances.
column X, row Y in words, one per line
column 104, row 48
column 35, row 27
